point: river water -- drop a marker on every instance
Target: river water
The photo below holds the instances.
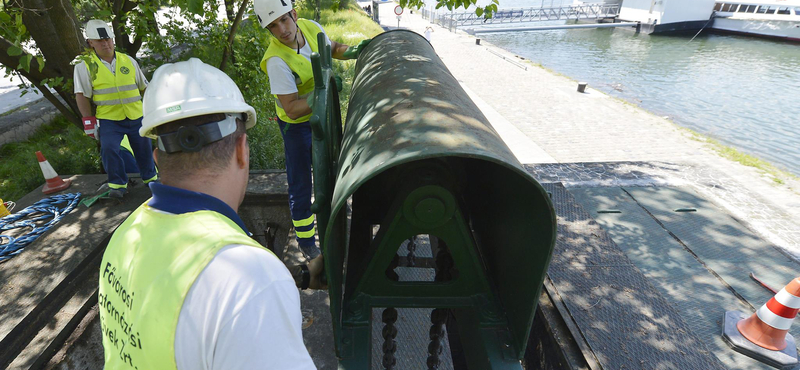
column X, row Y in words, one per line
column 742, row 91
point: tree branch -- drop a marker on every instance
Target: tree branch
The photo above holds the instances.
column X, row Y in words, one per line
column 64, row 109
column 229, row 10
column 13, row 61
column 229, row 47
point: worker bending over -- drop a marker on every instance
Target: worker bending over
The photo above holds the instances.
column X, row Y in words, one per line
column 114, row 82
column 182, row 285
column 287, row 63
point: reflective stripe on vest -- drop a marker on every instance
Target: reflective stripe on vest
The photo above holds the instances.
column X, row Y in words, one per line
column 147, row 270
column 297, row 63
column 116, row 95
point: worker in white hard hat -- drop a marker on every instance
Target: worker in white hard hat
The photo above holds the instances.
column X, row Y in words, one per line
column 114, row 83
column 287, row 63
column 182, row 285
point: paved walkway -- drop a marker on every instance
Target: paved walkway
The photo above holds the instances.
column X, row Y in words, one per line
column 593, row 139
column 20, row 123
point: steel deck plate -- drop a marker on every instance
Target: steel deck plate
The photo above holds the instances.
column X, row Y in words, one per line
column 696, row 259
column 625, row 321
column 721, row 242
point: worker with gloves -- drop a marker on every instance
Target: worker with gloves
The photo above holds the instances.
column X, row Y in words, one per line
column 114, row 82
column 287, row 63
column 182, row 285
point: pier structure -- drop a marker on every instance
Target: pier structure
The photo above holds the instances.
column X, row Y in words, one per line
column 522, row 15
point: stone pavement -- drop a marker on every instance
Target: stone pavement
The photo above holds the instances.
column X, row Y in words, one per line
column 593, row 139
column 19, row 124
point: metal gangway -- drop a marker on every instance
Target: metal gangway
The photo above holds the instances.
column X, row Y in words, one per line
column 570, row 12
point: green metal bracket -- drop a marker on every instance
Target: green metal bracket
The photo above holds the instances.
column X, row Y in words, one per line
column 326, row 132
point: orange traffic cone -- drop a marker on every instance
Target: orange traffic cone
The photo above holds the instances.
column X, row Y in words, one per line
column 765, row 334
column 54, row 182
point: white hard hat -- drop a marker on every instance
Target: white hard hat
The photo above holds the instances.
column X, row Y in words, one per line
column 189, row 89
column 269, row 10
column 97, row 29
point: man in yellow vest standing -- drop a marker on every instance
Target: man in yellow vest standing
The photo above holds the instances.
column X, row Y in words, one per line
column 287, row 63
column 182, row 285
column 114, row 82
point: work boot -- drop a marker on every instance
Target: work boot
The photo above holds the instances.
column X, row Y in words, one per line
column 117, row 193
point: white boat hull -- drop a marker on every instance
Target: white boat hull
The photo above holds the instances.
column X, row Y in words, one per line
column 785, row 29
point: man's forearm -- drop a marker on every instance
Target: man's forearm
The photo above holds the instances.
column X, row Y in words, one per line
column 338, row 50
column 295, row 108
column 84, row 106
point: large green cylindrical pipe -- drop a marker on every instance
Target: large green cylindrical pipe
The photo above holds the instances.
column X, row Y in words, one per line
column 406, row 109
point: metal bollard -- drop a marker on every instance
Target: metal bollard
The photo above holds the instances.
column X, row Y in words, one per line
column 477, row 41
column 582, row 87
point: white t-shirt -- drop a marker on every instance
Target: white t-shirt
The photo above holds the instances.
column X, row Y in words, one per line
column 83, row 82
column 281, row 80
column 242, row 312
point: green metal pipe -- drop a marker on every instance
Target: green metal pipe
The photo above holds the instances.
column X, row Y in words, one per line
column 418, row 157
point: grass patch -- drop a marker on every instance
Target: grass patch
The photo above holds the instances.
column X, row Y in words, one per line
column 778, row 176
column 66, row 147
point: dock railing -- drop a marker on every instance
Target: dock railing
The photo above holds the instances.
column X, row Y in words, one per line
column 452, row 20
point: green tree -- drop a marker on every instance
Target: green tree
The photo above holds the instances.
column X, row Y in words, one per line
column 486, row 11
column 32, row 31
column 41, row 39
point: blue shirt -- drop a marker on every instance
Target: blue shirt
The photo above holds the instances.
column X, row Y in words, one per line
column 178, row 201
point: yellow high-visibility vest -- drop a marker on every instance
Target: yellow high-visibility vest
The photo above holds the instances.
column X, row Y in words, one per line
column 300, row 66
column 150, row 264
column 116, row 95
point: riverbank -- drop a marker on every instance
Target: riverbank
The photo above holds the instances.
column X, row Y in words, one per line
column 594, row 139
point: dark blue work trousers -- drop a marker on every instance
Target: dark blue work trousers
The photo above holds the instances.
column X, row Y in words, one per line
column 111, row 133
column 297, row 149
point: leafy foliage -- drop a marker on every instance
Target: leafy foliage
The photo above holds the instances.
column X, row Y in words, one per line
column 486, row 11
column 14, row 30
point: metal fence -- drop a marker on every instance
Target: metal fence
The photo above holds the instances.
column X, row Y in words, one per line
column 453, row 20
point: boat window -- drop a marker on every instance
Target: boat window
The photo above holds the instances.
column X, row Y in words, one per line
column 718, row 7
column 743, row 8
column 729, row 7
column 751, row 8
column 783, row 10
column 762, row 9
column 770, row 10
column 796, row 11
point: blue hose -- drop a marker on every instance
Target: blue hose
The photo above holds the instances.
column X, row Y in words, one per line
column 39, row 211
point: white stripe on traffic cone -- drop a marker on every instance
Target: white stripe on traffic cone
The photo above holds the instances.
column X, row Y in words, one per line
column 53, row 182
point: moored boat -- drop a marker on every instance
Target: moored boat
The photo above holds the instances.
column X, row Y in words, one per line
column 774, row 19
